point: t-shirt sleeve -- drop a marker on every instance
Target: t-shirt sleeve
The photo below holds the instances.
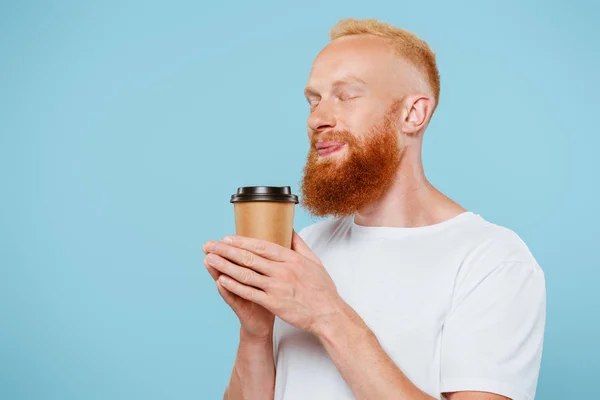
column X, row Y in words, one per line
column 493, row 336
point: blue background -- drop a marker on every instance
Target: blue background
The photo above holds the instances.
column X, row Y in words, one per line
column 125, row 127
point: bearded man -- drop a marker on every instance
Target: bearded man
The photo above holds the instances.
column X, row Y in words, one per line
column 402, row 293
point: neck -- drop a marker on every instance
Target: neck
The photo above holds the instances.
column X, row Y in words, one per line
column 410, row 201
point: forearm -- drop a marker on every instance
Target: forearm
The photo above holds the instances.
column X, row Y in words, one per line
column 253, row 375
column 361, row 360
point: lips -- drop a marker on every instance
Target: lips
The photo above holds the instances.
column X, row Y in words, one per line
column 327, row 148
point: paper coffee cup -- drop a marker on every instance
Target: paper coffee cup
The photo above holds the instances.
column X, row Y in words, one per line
column 265, row 212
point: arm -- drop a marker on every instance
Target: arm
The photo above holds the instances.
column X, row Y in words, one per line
column 365, row 366
column 253, row 375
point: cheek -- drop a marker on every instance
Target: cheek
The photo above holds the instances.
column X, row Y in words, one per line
column 359, row 126
column 358, row 118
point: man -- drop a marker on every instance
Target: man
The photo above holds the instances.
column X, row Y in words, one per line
column 403, row 294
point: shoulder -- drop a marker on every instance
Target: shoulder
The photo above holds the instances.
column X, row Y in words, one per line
column 498, row 244
column 497, row 251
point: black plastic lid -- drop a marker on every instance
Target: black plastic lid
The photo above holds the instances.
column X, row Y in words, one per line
column 265, row 193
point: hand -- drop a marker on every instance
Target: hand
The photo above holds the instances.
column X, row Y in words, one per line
column 290, row 283
column 255, row 320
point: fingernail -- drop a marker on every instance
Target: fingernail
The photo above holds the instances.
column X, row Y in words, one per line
column 211, row 259
column 228, row 239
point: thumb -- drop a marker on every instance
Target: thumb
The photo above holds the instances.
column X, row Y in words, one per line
column 300, row 246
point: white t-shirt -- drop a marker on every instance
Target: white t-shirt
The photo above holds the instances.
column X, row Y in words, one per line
column 458, row 306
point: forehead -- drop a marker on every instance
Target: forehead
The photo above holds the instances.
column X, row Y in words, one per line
column 366, row 57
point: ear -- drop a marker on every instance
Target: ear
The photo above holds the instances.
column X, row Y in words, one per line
column 416, row 113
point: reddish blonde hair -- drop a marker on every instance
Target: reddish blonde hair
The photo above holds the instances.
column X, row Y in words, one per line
column 406, row 44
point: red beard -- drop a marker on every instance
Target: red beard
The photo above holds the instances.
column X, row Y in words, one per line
column 342, row 185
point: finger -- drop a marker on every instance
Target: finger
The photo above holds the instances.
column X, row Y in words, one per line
column 240, row 274
column 213, row 272
column 268, row 250
column 244, row 291
column 241, row 257
column 300, row 246
column 206, row 246
column 231, row 299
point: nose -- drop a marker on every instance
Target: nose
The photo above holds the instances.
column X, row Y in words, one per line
column 321, row 118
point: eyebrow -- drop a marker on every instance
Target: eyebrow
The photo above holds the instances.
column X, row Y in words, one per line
column 350, row 80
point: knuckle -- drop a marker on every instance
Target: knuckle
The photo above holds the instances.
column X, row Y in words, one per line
column 245, row 276
column 266, row 285
column 259, row 248
column 275, row 288
column 248, row 259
